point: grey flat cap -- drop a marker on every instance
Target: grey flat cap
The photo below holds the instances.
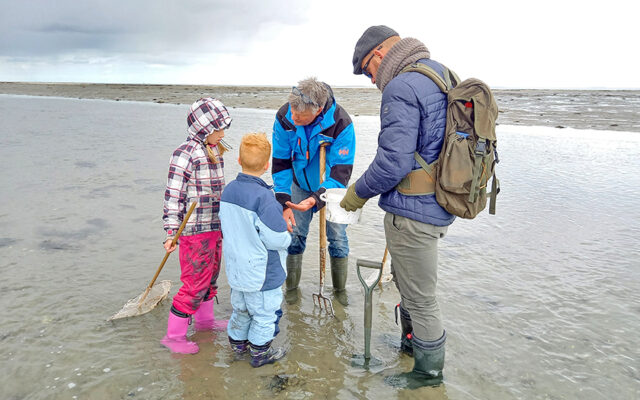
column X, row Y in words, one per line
column 373, row 36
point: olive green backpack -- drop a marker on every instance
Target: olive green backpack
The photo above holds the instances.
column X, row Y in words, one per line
column 460, row 175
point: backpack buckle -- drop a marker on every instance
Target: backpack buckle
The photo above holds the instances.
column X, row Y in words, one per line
column 481, row 147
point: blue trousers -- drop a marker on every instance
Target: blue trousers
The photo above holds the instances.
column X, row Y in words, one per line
column 336, row 233
column 255, row 315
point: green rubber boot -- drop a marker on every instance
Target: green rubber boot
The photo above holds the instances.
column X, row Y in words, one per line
column 407, row 330
column 339, row 270
column 294, row 271
column 428, row 364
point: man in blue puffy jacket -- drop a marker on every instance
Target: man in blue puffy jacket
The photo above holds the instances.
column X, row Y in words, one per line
column 412, row 120
column 310, row 118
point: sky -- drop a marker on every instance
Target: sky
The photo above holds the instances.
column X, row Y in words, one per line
column 508, row 44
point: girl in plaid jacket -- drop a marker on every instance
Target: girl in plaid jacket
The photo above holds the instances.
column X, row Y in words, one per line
column 196, row 175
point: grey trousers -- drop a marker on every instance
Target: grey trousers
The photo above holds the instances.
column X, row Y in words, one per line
column 413, row 247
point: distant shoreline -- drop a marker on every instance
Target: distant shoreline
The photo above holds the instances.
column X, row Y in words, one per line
column 603, row 109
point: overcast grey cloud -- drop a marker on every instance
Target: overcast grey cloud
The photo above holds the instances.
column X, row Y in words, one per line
column 138, row 28
column 541, row 44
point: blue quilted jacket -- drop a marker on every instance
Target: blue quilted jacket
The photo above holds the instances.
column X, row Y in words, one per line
column 412, row 118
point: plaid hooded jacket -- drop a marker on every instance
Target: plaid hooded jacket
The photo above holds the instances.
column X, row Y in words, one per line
column 193, row 176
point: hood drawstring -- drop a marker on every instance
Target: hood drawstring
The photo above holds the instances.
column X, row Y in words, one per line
column 212, row 155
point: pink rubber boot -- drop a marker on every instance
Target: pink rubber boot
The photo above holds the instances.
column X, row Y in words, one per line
column 176, row 338
column 206, row 320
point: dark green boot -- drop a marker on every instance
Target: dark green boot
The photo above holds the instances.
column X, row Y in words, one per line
column 407, row 330
column 339, row 270
column 294, row 271
column 428, row 364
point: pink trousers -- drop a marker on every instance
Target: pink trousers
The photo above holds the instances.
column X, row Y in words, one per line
column 200, row 266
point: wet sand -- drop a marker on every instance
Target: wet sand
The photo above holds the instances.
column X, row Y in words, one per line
column 548, row 310
column 582, row 109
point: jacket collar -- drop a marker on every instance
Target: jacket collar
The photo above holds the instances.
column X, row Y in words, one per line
column 242, row 177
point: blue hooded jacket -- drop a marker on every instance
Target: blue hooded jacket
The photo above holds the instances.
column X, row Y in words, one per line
column 255, row 235
column 296, row 156
column 413, row 116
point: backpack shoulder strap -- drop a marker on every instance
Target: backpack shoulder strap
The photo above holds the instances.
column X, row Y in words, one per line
column 452, row 77
column 427, row 167
column 449, row 81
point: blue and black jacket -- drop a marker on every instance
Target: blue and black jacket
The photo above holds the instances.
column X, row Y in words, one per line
column 255, row 235
column 296, row 156
column 413, row 116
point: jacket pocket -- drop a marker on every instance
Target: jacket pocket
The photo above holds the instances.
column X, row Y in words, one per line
column 396, row 221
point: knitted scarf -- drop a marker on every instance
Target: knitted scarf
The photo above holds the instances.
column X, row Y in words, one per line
column 405, row 52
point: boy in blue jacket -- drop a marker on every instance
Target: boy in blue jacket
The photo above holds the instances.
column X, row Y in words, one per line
column 255, row 250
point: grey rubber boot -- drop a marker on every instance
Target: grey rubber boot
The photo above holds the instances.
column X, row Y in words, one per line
column 294, row 271
column 339, row 271
column 427, row 368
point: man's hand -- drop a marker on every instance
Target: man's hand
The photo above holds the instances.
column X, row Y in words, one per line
column 169, row 247
column 289, row 219
column 304, row 205
column 351, row 200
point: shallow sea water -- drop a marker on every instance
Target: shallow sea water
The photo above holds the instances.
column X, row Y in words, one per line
column 541, row 301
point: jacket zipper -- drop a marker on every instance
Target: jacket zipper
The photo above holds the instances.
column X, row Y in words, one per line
column 304, row 172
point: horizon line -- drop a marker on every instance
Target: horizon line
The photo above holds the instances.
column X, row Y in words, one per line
column 286, row 86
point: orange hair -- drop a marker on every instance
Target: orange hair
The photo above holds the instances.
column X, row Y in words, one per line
column 255, row 151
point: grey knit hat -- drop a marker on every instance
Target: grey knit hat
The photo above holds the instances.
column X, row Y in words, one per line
column 373, row 36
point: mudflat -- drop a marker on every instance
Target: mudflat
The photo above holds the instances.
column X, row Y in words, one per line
column 583, row 109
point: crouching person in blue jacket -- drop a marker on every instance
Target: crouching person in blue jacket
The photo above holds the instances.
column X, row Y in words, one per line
column 309, row 119
column 255, row 251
